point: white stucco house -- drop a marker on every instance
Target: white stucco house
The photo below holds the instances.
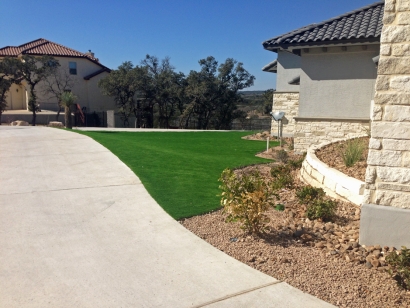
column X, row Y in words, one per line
column 326, row 76
column 84, row 68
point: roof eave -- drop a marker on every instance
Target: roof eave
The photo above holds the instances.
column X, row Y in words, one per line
column 347, row 42
column 271, row 67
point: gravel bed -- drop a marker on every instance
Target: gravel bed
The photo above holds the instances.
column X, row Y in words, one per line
column 322, row 259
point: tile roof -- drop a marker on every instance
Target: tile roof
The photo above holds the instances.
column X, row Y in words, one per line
column 364, row 24
column 88, row 77
column 271, row 67
column 44, row 47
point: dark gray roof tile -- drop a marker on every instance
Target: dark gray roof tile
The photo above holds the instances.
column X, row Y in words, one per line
column 363, row 23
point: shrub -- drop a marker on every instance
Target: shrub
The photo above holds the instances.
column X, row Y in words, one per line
column 353, row 151
column 317, row 206
column 320, row 208
column 282, row 177
column 400, row 267
column 246, row 198
column 307, row 194
column 296, row 164
column 282, row 156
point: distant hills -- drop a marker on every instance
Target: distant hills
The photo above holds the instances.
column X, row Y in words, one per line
column 250, row 93
column 253, row 102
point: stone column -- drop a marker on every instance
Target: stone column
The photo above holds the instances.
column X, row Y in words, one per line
column 385, row 217
column 287, row 102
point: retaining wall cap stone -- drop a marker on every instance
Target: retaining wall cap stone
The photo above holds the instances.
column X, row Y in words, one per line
column 354, row 185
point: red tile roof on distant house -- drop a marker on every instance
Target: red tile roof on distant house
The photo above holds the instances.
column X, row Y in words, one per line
column 45, row 47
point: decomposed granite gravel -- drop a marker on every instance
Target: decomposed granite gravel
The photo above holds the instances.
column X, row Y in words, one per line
column 322, row 259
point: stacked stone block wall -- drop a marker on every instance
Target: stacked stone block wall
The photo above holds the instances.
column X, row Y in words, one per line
column 336, row 184
column 388, row 171
column 287, row 102
column 314, row 131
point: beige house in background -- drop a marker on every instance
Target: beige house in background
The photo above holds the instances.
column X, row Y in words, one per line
column 84, row 68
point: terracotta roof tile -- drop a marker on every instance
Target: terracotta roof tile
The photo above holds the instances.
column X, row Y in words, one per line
column 45, row 47
column 362, row 24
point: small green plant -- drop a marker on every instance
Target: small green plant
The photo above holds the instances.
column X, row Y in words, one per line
column 280, row 207
column 296, row 163
column 246, row 198
column 307, row 194
column 400, row 267
column 353, row 151
column 317, row 205
column 282, row 156
column 321, row 208
column 282, row 177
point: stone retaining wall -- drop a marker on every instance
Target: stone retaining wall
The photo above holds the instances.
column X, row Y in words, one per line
column 316, row 131
column 287, row 102
column 335, row 183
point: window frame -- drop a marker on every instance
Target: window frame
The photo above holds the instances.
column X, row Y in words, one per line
column 72, row 68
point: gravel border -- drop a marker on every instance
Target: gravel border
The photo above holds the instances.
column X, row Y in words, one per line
column 322, row 259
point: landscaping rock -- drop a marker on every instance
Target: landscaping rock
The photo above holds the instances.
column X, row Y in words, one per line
column 19, row 123
column 326, row 260
column 55, row 124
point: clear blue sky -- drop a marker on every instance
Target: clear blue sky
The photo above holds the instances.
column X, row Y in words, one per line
column 184, row 30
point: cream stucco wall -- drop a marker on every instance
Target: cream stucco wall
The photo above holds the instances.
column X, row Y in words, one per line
column 288, row 68
column 16, row 97
column 337, row 82
column 87, row 91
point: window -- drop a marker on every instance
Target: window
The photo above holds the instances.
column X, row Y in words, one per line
column 73, row 68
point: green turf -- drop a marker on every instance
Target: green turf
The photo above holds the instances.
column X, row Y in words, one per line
column 181, row 169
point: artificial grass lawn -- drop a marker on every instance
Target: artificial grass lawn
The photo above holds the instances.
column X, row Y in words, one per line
column 181, row 169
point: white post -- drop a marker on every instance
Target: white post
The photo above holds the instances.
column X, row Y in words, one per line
column 279, row 131
column 267, row 145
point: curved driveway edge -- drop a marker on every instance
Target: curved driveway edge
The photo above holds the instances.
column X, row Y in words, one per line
column 78, row 229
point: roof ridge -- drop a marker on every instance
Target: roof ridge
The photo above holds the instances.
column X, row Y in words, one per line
column 60, row 45
column 22, row 45
column 35, row 46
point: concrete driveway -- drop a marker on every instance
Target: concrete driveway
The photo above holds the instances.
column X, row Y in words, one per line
column 78, row 229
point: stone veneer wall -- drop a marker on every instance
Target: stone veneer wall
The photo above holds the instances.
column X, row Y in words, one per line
column 287, row 102
column 316, row 131
column 388, row 172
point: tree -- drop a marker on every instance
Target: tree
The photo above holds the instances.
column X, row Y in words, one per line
column 267, row 101
column 58, row 82
column 33, row 70
column 67, row 100
column 121, row 84
column 162, row 87
column 213, row 92
column 9, row 74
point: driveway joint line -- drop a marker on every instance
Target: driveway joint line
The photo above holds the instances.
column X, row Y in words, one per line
column 67, row 189
column 236, row 294
column 56, row 154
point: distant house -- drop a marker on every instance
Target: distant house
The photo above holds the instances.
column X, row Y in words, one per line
column 326, row 75
column 84, row 68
